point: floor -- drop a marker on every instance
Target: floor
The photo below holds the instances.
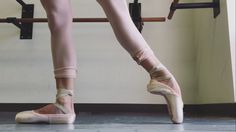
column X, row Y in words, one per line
column 124, row 122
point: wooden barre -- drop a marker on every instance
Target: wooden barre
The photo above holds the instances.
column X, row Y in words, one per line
column 44, row 20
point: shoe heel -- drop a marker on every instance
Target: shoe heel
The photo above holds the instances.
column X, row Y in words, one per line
column 64, row 119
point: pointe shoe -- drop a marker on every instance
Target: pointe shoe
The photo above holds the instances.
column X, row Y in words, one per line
column 33, row 117
column 173, row 99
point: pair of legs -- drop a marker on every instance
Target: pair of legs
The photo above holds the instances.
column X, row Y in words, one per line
column 59, row 13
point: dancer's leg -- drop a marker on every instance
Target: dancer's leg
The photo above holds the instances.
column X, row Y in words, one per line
column 59, row 14
column 130, row 38
column 64, row 59
column 127, row 34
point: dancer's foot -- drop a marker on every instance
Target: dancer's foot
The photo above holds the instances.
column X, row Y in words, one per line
column 163, row 75
column 66, row 102
column 163, row 83
column 60, row 112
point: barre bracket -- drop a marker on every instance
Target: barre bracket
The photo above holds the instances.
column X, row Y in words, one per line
column 215, row 4
column 26, row 28
column 135, row 12
column 13, row 20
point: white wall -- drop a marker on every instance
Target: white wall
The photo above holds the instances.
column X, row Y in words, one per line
column 214, row 64
column 106, row 72
column 231, row 16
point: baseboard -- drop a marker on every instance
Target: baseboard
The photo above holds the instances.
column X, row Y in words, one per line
column 206, row 109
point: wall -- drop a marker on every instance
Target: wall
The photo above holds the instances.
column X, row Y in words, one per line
column 214, row 64
column 107, row 73
column 231, row 4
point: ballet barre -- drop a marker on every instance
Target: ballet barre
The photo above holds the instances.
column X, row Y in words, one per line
column 215, row 4
column 25, row 23
column 76, row 20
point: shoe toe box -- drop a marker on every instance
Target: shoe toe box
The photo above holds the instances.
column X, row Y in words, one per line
column 28, row 117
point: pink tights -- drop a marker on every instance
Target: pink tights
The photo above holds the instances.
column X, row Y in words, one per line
column 63, row 50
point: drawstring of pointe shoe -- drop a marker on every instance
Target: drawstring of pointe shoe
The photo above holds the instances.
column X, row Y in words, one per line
column 62, row 92
column 158, row 73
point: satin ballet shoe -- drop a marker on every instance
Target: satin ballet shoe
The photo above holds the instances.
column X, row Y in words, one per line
column 173, row 99
column 33, row 117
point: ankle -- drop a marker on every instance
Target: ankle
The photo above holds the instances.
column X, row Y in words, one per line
column 160, row 73
column 64, row 97
column 164, row 76
column 65, row 100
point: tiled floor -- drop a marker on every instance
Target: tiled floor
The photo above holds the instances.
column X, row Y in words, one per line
column 124, row 122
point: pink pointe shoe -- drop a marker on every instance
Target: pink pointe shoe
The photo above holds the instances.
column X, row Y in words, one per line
column 33, row 117
column 173, row 99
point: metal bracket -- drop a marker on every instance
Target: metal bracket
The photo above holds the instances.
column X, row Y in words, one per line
column 135, row 12
column 216, row 8
column 13, row 20
column 26, row 28
column 215, row 4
